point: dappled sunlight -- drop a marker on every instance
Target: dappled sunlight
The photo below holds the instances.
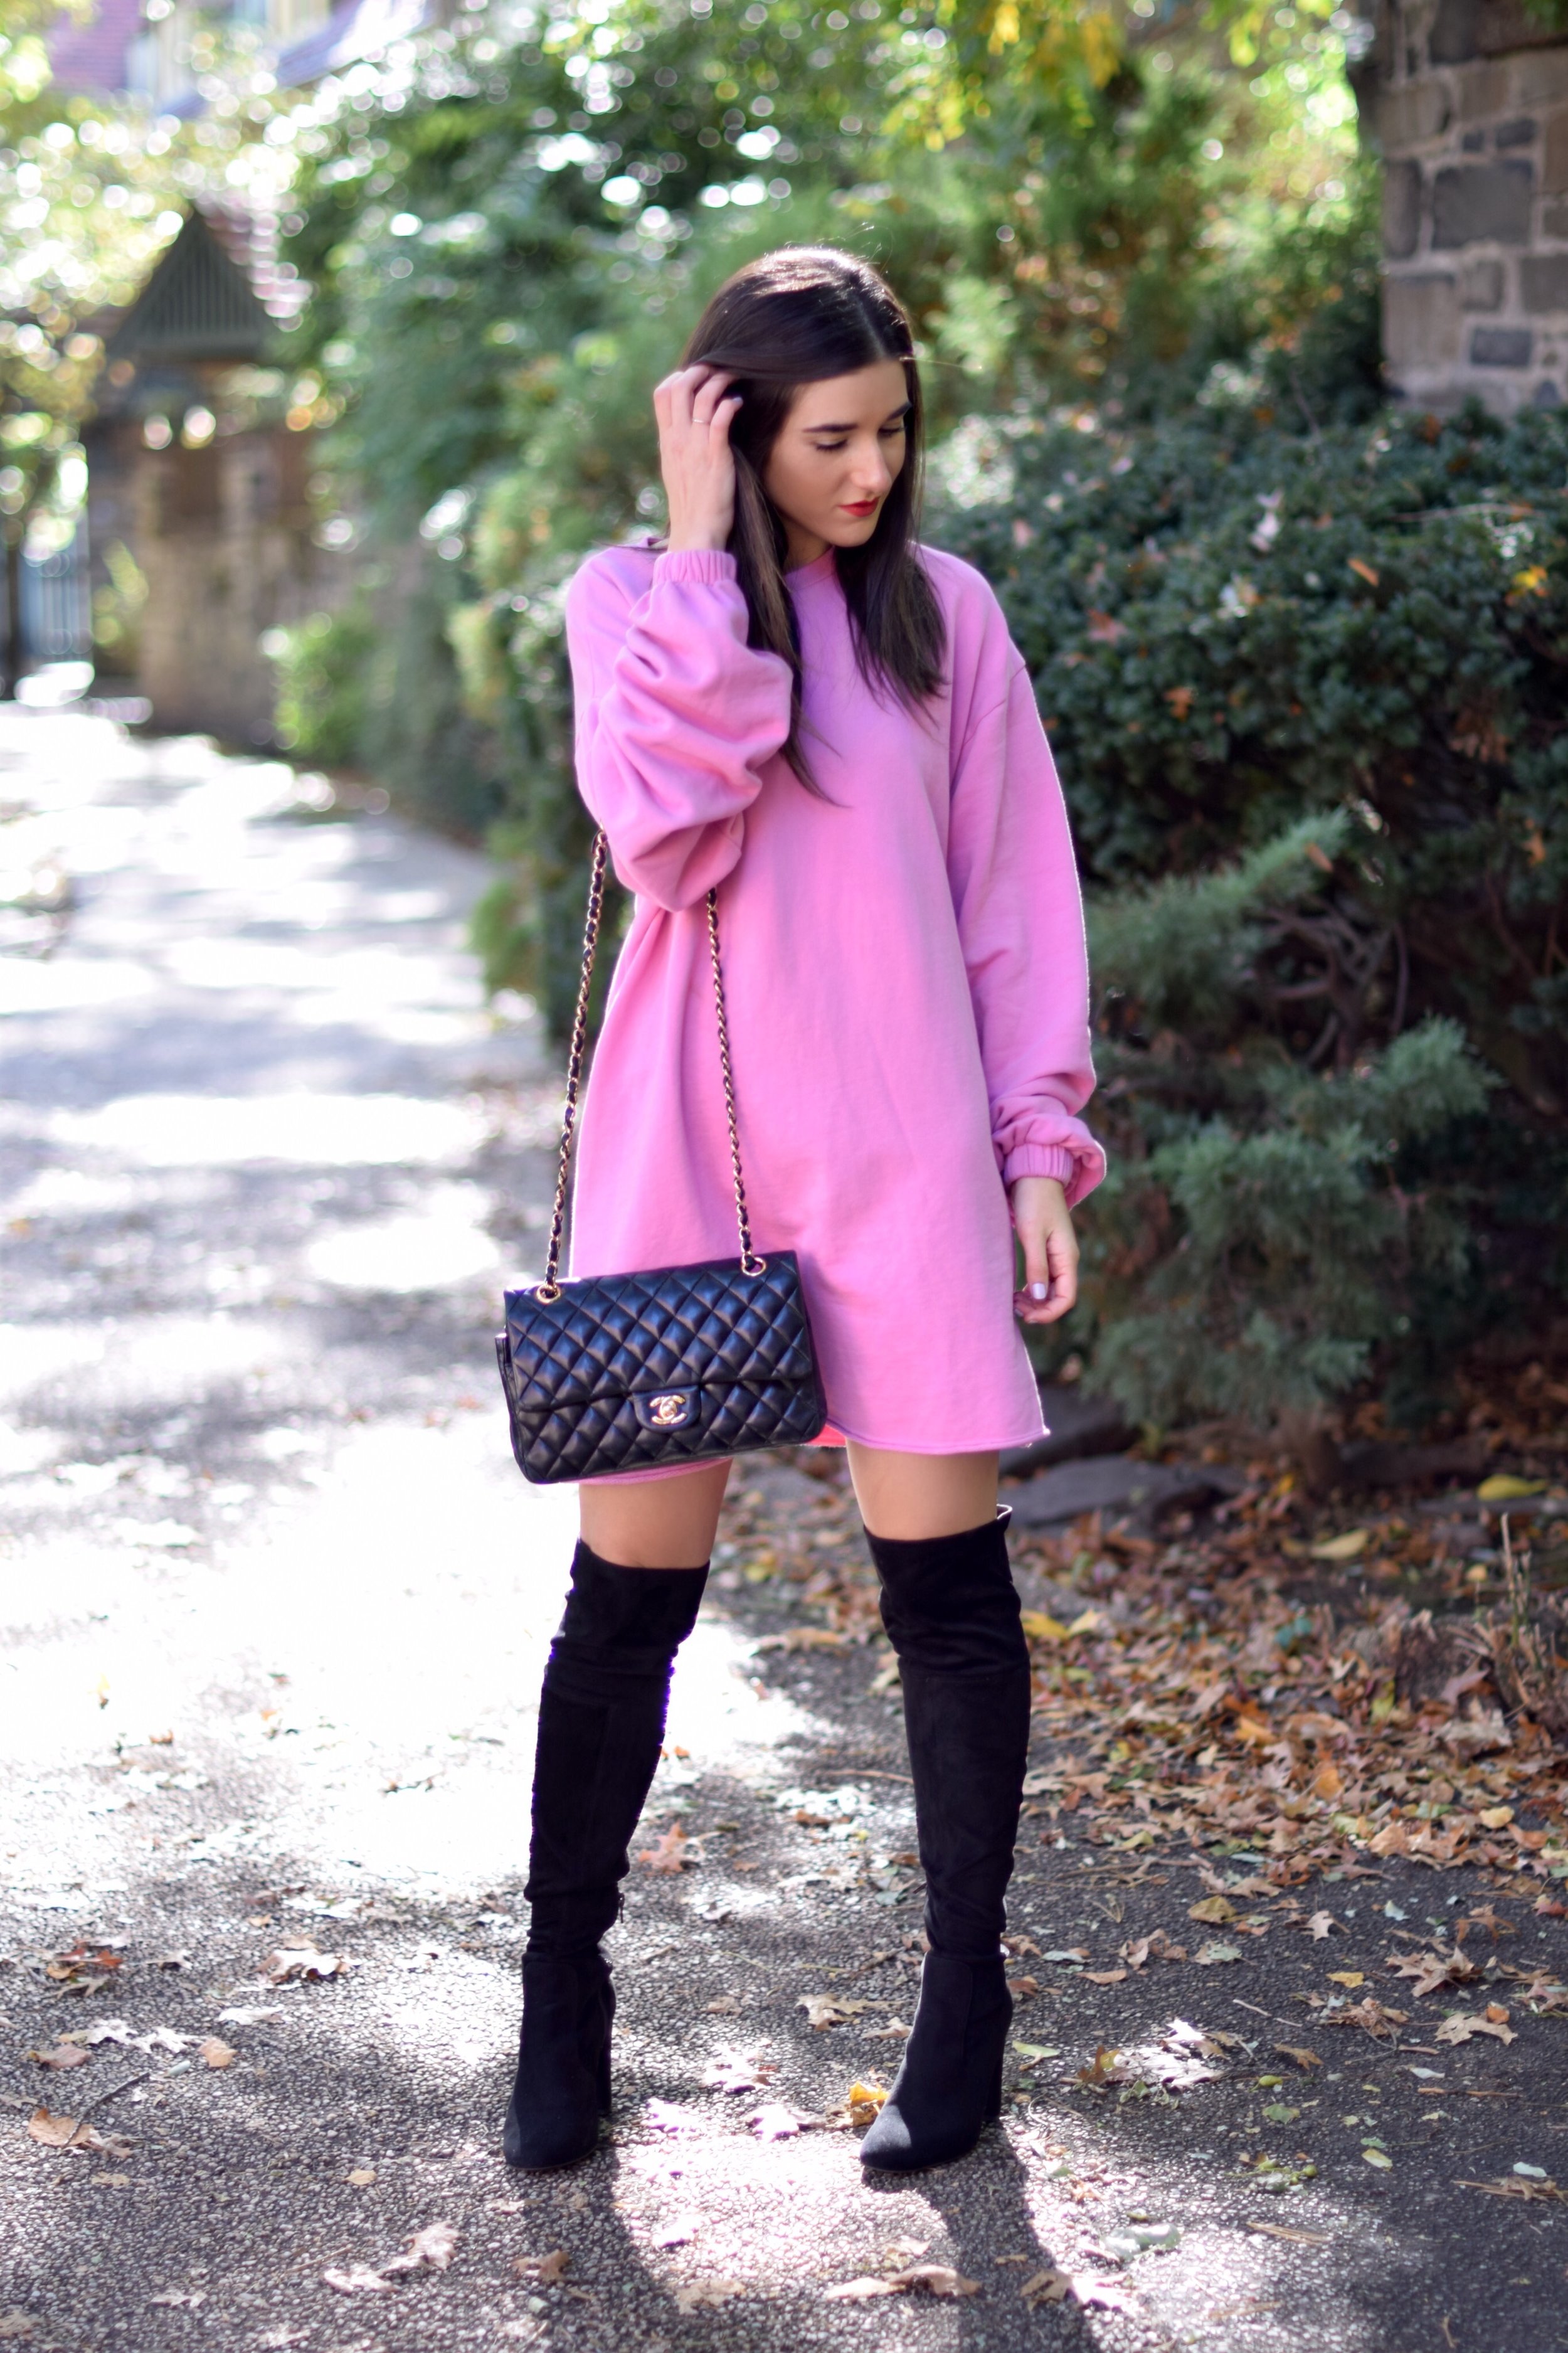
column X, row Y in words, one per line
column 323, row 1131
column 443, row 1242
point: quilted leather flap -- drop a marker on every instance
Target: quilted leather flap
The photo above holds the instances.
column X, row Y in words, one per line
column 670, row 1328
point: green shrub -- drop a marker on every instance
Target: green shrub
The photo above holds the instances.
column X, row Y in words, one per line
column 1308, row 694
column 322, row 665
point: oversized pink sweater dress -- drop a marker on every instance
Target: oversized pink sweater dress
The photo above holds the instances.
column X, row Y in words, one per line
column 904, row 973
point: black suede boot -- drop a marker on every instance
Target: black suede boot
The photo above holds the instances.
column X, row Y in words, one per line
column 601, row 1722
column 951, row 1610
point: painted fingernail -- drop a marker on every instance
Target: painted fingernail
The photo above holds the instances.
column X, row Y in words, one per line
column 1039, row 1291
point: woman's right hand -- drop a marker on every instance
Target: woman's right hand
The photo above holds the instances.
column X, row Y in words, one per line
column 695, row 413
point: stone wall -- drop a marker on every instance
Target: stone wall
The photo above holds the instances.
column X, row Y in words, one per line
column 223, row 536
column 1469, row 104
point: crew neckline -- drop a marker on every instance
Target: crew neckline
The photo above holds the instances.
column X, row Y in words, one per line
column 816, row 569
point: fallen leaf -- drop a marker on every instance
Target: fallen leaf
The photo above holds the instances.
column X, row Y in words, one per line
column 1216, row 1910
column 669, row 1854
column 1105, row 1977
column 1365, row 570
column 864, row 2103
column 214, row 2053
column 733, row 2074
column 548, row 2270
column 435, row 2245
column 936, row 2279
column 1302, row 2058
column 63, row 2055
column 1294, row 2238
column 1023, row 1989
column 1318, row 1925
column 358, row 2279
column 63, row 2132
column 1040, row 1627
column 725, row 2007
column 1211, row 1955
column 703, row 2294
column 1369, row 2014
column 301, row 1960
column 1495, row 1818
column 16, row 2323
column 1378, row 2158
column 859, row 2291
column 773, row 2121
column 1504, row 1487
column 824, row 2009
column 1463, row 2028
column 1347, row 1977
column 1327, row 1782
column 363, row 2177
column 1343, row 1547
column 109, row 2181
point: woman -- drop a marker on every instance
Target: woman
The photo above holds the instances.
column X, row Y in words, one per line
column 795, row 702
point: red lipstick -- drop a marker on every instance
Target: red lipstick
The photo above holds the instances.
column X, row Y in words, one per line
column 864, row 507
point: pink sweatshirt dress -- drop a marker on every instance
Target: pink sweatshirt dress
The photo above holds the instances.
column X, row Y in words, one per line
column 904, row 973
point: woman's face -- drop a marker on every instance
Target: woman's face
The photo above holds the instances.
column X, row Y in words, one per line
column 836, row 457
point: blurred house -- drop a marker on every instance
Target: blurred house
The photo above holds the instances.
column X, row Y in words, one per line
column 198, row 480
column 1469, row 108
column 145, row 47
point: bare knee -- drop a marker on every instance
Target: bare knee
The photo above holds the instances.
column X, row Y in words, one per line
column 654, row 1522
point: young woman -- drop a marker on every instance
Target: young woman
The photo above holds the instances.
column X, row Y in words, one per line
column 795, row 701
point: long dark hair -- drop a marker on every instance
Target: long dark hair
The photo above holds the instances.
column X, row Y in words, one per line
column 794, row 317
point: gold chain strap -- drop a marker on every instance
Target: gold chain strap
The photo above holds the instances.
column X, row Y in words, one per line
column 751, row 1263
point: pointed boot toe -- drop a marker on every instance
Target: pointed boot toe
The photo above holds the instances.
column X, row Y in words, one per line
column 563, row 2086
column 950, row 2085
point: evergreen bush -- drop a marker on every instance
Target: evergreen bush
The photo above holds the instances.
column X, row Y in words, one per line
column 1309, row 695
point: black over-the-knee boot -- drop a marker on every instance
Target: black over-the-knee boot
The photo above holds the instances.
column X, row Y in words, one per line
column 601, row 1721
column 951, row 1610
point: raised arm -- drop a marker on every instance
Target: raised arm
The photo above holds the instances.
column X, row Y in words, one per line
column 676, row 715
column 1020, row 919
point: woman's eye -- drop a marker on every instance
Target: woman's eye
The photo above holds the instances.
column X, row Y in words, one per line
column 826, row 448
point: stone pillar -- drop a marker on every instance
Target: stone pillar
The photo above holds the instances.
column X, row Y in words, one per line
column 1469, row 104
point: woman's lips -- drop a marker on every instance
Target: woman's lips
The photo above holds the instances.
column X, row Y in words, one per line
column 864, row 507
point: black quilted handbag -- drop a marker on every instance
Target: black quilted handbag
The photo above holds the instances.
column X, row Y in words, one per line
column 679, row 1364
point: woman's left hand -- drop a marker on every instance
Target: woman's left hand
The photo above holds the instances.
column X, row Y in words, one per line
column 1043, row 1223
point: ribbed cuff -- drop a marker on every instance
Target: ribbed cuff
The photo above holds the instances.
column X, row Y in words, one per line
column 1038, row 1160
column 708, row 565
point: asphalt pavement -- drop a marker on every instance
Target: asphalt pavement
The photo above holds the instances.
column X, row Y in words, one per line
column 273, row 1608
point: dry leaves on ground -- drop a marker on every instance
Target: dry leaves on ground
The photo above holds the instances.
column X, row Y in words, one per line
column 1271, row 1681
column 16, row 2323
column 548, row 2270
column 1462, row 2028
column 63, row 2055
column 1082, row 2288
column 729, row 2073
column 297, row 1958
column 669, row 1854
column 932, row 2279
column 431, row 2248
column 213, row 2052
column 823, row 2010
column 708, row 2294
column 65, row 2132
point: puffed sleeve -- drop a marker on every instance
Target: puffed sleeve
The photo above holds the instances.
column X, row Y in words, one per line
column 676, row 715
column 1020, row 920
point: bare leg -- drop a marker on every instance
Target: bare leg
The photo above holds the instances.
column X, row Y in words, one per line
column 654, row 1522
column 911, row 1496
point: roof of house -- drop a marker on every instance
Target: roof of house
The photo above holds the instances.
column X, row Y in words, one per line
column 87, row 53
column 201, row 301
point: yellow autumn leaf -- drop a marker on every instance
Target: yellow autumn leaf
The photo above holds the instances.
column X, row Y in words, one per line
column 1086, row 1622
column 1345, row 1547
column 1532, row 581
column 1041, row 1629
column 1496, row 1818
column 1365, row 571
column 1350, row 1978
column 1504, row 1487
